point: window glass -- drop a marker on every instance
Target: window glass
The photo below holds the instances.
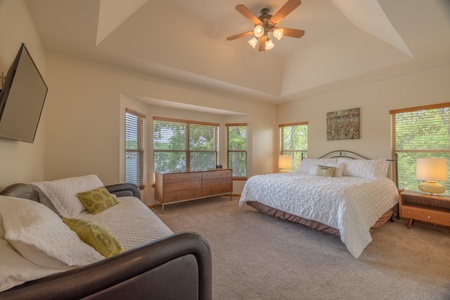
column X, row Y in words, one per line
column 237, row 149
column 422, row 132
column 134, row 148
column 294, row 142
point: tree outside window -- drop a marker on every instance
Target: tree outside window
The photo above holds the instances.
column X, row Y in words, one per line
column 294, row 141
column 237, row 149
column 184, row 145
column 419, row 132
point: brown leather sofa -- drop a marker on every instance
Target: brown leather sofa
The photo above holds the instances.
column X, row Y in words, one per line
column 176, row 267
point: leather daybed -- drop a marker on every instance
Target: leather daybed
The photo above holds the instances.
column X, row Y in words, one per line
column 177, row 266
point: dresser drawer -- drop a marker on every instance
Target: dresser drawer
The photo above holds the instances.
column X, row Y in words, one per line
column 426, row 215
column 216, row 174
column 215, row 190
column 182, row 195
column 182, row 186
column 181, row 177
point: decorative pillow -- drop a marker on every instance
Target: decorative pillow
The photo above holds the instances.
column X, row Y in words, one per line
column 325, row 171
column 97, row 200
column 62, row 193
column 309, row 164
column 41, row 237
column 371, row 169
column 339, row 169
column 95, row 236
column 15, row 269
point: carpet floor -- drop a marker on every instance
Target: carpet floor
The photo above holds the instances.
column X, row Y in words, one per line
column 260, row 257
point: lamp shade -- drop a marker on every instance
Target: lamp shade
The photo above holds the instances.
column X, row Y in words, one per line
column 431, row 169
column 285, row 162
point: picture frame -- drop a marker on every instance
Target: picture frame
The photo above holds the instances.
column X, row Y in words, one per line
column 343, row 124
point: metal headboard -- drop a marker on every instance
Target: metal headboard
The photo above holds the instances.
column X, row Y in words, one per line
column 354, row 155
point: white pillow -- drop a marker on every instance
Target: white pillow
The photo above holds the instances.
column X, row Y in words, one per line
column 339, row 168
column 62, row 193
column 40, row 235
column 371, row 169
column 307, row 164
column 15, row 269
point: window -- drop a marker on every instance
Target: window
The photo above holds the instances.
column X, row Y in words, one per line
column 237, row 149
column 294, row 141
column 134, row 148
column 419, row 132
column 180, row 145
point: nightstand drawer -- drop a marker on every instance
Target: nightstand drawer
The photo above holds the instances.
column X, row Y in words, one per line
column 426, row 215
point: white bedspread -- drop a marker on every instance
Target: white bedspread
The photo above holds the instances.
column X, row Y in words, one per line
column 350, row 204
column 130, row 222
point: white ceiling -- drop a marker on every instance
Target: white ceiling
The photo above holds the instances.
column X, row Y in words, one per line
column 347, row 42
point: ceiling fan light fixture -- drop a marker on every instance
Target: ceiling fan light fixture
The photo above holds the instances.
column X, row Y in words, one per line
column 258, row 31
column 253, row 42
column 269, row 44
column 278, row 33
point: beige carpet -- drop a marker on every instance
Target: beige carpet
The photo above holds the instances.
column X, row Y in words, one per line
column 261, row 257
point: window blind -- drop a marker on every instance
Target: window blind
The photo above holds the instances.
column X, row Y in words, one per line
column 134, row 148
column 419, row 132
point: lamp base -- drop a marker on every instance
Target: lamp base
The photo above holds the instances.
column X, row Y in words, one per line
column 431, row 187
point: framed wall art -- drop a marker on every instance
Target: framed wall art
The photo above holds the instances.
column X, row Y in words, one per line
column 343, row 124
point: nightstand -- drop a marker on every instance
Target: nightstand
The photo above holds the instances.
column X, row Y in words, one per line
column 426, row 208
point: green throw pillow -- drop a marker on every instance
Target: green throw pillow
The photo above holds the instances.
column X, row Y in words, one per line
column 97, row 200
column 95, row 236
column 325, row 171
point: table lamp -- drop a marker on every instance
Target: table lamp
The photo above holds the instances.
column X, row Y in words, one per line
column 431, row 170
column 285, row 163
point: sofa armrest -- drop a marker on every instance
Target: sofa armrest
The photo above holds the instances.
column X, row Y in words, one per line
column 176, row 267
column 124, row 189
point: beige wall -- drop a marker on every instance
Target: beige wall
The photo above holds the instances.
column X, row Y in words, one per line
column 85, row 111
column 19, row 161
column 375, row 100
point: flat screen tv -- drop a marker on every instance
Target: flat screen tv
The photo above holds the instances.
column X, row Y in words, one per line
column 22, row 99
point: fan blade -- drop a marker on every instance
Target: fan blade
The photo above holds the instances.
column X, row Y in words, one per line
column 248, row 14
column 262, row 43
column 233, row 37
column 291, row 32
column 286, row 9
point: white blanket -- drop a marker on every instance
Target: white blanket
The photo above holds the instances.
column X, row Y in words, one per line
column 351, row 205
column 130, row 222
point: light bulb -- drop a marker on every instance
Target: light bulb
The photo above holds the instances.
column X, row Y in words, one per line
column 253, row 42
column 258, row 31
column 278, row 33
column 269, row 44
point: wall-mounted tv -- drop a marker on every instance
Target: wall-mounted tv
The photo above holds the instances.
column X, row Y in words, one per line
column 22, row 99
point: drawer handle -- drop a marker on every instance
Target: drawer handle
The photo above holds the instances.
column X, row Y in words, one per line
column 429, row 217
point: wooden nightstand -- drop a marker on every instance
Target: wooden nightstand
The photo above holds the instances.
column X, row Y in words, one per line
column 426, row 208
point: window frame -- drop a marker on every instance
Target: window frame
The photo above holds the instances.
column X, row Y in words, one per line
column 395, row 151
column 228, row 125
column 187, row 150
column 140, row 147
column 284, row 151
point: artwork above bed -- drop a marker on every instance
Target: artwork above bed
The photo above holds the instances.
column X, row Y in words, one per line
column 348, row 201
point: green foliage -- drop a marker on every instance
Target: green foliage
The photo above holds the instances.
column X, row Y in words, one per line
column 237, row 146
column 294, row 143
column 420, row 134
column 172, row 148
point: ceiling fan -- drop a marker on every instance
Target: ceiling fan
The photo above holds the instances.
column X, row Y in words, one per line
column 267, row 23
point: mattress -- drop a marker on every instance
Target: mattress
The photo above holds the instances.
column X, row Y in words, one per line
column 352, row 205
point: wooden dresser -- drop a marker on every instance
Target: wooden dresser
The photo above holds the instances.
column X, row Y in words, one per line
column 175, row 187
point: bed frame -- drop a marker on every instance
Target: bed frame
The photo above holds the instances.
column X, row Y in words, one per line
column 322, row 227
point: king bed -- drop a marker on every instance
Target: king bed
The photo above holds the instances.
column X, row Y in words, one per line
column 342, row 193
